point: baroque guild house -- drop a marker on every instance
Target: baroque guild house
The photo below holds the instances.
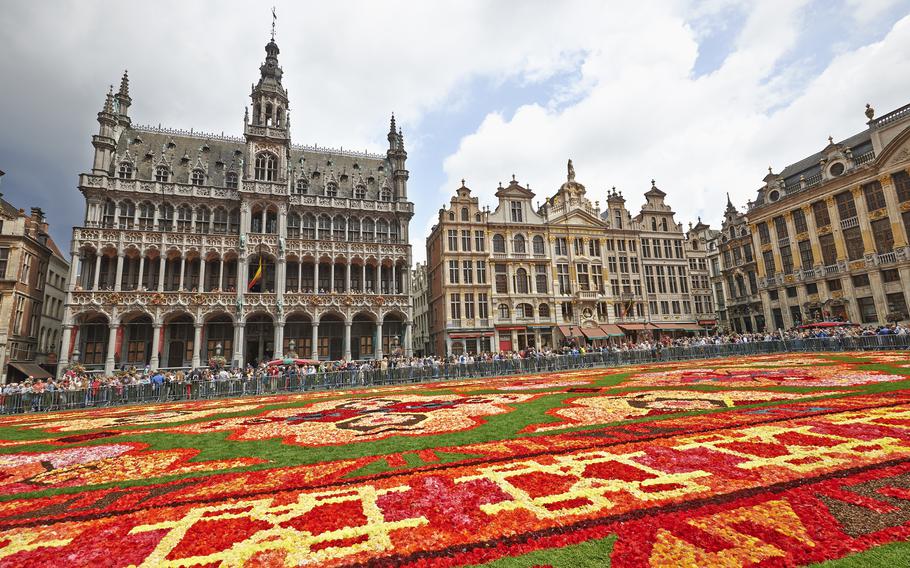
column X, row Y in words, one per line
column 251, row 248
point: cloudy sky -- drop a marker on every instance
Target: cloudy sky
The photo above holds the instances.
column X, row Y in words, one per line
column 701, row 96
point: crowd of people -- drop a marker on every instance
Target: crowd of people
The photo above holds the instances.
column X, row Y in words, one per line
column 78, row 387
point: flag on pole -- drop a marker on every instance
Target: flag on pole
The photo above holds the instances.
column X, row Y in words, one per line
column 257, row 278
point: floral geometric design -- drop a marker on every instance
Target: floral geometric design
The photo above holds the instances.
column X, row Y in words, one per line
column 697, row 474
column 344, row 421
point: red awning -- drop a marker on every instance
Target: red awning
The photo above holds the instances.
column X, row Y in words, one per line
column 611, row 330
column 829, row 324
column 637, row 326
column 594, row 332
column 570, row 331
column 511, row 327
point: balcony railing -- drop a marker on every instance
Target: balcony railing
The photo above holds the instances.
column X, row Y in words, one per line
column 886, row 258
column 831, row 269
column 588, row 294
column 849, row 222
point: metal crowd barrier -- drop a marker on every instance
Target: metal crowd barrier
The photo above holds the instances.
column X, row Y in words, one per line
column 292, row 382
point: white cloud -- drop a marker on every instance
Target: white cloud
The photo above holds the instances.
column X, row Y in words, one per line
column 644, row 115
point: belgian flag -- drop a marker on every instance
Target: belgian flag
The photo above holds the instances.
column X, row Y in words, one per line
column 257, row 278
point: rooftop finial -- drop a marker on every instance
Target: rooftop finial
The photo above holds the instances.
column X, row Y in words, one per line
column 830, row 140
column 770, row 171
column 109, row 101
column 125, row 84
column 870, row 112
column 653, row 183
column 462, row 182
column 571, row 170
column 392, row 124
column 274, row 20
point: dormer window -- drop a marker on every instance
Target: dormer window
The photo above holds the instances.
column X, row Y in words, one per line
column 162, row 174
column 126, row 171
column 464, row 214
column 266, row 166
column 515, row 209
column 230, row 180
column 385, row 195
column 360, row 192
column 197, row 177
column 302, row 185
column 331, row 190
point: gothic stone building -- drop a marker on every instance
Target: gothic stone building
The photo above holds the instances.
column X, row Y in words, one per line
column 565, row 271
column 832, row 229
column 177, row 224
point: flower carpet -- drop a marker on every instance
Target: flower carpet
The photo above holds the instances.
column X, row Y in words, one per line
column 766, row 461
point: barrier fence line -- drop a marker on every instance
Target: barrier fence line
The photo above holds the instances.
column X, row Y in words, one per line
column 292, row 382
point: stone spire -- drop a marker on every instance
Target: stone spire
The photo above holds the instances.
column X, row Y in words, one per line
column 123, row 100
column 108, row 107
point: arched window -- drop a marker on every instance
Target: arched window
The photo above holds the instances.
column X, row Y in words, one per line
column 394, row 232
column 503, row 311
column 331, row 189
column 521, row 281
column 127, row 212
column 525, row 311
column 518, row 244
column 266, row 166
column 354, row 229
column 293, row 225
column 309, row 227
column 477, row 217
column 694, row 245
column 230, row 180
column 653, row 223
column 543, row 310
column 203, row 216
column 538, row 244
column 385, row 195
column 325, row 227
column 107, row 215
column 360, row 192
column 382, row 230
column 166, row 217
column 184, row 218
column 465, row 216
column 451, row 215
column 499, row 243
column 338, row 228
column 197, row 177
column 162, row 174
column 369, row 230
column 302, row 185
column 126, row 170
column 220, row 221
column 146, row 216
column 663, row 224
column 234, row 222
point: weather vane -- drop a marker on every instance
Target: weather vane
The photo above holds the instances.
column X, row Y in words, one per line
column 274, row 19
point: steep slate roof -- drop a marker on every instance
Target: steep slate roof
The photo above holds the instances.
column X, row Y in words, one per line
column 809, row 165
column 153, row 143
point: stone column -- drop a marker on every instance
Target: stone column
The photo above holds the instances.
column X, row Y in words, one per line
column 180, row 282
column 278, row 351
column 119, row 273
column 281, row 277
column 347, row 276
column 97, row 270
column 393, row 288
column 332, row 277
column 300, row 275
column 238, row 343
column 347, row 340
column 221, row 275
column 64, row 349
column 894, row 213
column 813, row 236
column 162, row 267
column 202, row 274
column 110, row 360
column 363, row 280
column 862, row 215
column 77, row 264
column 878, row 294
column 197, row 344
column 316, row 276
column 378, row 349
column 242, row 276
column 140, row 284
column 408, row 348
column 156, row 345
column 314, row 342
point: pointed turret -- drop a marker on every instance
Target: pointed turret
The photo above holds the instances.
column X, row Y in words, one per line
column 104, row 141
column 397, row 156
column 392, row 136
column 123, row 100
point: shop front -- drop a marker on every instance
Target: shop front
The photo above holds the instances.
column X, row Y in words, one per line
column 472, row 342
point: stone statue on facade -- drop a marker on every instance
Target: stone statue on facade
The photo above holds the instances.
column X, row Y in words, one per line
column 281, row 245
column 242, row 241
column 571, row 169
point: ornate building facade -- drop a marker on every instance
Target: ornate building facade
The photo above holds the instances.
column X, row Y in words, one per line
column 742, row 311
column 832, row 229
column 178, row 224
column 526, row 275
